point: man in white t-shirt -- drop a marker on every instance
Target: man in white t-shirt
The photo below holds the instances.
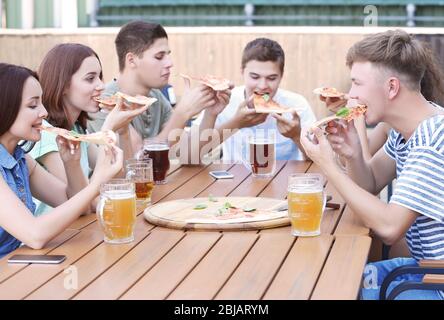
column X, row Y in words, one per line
column 263, row 63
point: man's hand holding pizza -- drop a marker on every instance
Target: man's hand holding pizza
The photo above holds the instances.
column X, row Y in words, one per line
column 344, row 139
column 246, row 116
column 290, row 128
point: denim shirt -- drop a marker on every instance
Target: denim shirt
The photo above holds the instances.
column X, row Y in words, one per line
column 15, row 172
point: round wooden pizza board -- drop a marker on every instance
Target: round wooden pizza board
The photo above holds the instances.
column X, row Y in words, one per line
column 181, row 214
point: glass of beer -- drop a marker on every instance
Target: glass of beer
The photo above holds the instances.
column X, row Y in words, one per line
column 116, row 210
column 157, row 150
column 141, row 173
column 306, row 203
column 262, row 155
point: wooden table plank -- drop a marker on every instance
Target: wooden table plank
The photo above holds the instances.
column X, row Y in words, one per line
column 7, row 269
column 253, row 276
column 35, row 275
column 198, row 184
column 88, row 268
column 251, row 187
column 164, row 277
column 122, row 275
column 223, row 187
column 342, row 273
column 278, row 189
column 299, row 273
column 211, row 273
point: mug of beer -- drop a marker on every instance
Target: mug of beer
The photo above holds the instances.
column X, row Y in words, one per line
column 141, row 173
column 262, row 155
column 116, row 210
column 306, row 203
column 157, row 150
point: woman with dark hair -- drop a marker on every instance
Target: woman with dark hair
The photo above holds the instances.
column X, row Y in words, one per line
column 22, row 113
column 71, row 79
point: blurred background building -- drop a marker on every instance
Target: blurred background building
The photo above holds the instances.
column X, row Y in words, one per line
column 93, row 13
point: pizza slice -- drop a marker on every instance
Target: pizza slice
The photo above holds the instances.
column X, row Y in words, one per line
column 108, row 103
column 107, row 137
column 264, row 104
column 328, row 92
column 346, row 113
column 215, row 83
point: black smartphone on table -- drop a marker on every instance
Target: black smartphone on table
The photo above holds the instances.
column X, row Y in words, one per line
column 37, row 258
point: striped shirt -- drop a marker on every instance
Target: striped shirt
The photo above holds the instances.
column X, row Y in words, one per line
column 420, row 185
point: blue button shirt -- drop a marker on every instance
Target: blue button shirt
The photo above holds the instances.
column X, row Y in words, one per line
column 15, row 172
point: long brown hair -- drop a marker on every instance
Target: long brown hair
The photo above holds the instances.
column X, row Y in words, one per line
column 55, row 72
column 12, row 81
column 411, row 58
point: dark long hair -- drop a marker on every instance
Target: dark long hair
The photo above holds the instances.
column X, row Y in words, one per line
column 55, row 72
column 12, row 81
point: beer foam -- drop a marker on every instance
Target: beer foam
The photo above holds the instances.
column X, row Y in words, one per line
column 119, row 194
column 304, row 189
column 156, row 147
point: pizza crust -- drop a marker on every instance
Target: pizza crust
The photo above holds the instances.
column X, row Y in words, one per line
column 354, row 112
column 107, row 137
column 328, row 92
column 108, row 103
column 215, row 83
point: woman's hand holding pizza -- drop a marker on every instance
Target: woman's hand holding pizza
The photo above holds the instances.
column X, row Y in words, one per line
column 69, row 150
column 119, row 117
column 108, row 165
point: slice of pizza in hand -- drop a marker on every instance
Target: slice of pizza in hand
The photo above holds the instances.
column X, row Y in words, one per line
column 264, row 104
column 108, row 103
column 328, row 92
column 215, row 83
column 107, row 137
column 346, row 113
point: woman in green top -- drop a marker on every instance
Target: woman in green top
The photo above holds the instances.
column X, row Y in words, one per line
column 71, row 79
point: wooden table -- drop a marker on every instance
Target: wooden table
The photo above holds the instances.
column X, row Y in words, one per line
column 173, row 264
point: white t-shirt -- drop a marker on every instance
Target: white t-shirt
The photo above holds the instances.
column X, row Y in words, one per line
column 235, row 147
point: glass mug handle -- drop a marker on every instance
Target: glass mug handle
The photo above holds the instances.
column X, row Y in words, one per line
column 99, row 209
column 324, row 202
column 130, row 174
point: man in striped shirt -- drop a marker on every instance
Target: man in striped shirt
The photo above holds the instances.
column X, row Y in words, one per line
column 386, row 72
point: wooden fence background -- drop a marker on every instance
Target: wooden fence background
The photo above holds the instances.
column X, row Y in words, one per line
column 315, row 56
